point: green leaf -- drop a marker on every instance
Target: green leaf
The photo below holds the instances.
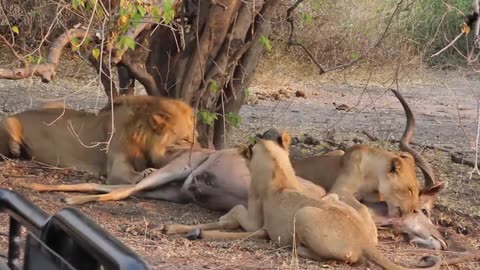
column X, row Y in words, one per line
column 207, row 117
column 156, row 13
column 266, row 43
column 126, row 42
column 168, row 11
column 31, row 59
column 307, row 18
column 78, row 3
column 251, row 140
column 136, row 18
column 141, row 10
column 246, row 92
column 75, row 44
column 213, row 87
column 89, row 5
column 15, row 29
column 75, row 41
column 35, row 59
column 354, row 56
column 99, row 13
column 233, row 118
column 132, row 8
column 96, row 53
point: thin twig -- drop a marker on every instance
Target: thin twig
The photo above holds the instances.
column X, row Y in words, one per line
column 448, row 45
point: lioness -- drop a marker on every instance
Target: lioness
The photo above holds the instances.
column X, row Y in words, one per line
column 325, row 228
column 142, row 127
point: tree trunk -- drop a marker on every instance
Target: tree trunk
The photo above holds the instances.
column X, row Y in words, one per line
column 218, row 63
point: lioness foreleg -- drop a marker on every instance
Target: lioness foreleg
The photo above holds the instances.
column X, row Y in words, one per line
column 222, row 235
column 237, row 218
column 349, row 199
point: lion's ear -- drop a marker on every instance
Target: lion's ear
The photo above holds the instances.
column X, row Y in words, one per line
column 157, row 122
column 245, row 151
column 284, row 140
column 395, row 165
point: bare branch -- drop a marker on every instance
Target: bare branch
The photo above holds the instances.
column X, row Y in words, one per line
column 46, row 71
column 105, row 75
column 135, row 31
column 10, row 46
column 132, row 33
column 448, row 45
column 292, row 42
column 140, row 74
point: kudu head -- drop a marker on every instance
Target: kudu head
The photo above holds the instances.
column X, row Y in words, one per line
column 418, row 225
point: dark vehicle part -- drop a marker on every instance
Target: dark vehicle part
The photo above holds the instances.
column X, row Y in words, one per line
column 66, row 240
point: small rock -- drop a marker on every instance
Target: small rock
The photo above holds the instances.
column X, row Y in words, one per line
column 300, row 93
column 276, row 96
column 341, row 107
column 282, row 92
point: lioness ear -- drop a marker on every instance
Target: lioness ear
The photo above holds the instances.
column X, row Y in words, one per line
column 245, row 151
column 396, row 165
column 284, row 140
column 157, row 122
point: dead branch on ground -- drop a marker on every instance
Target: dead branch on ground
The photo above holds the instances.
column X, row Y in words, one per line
column 47, row 70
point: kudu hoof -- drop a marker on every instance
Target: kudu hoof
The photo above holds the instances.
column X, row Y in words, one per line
column 194, row 234
column 428, row 261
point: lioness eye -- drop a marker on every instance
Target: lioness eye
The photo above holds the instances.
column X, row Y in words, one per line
column 425, row 212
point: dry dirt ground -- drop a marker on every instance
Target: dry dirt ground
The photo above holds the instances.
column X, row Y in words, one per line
column 438, row 103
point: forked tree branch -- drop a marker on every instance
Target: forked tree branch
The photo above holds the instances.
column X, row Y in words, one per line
column 291, row 39
column 140, row 74
column 47, row 70
column 138, row 28
column 105, row 75
column 292, row 42
column 10, row 46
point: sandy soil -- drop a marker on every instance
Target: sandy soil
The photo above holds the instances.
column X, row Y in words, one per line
column 437, row 103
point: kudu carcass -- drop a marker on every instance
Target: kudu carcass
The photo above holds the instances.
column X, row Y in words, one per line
column 219, row 180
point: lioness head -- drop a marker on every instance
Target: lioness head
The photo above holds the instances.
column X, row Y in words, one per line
column 269, row 163
column 400, row 188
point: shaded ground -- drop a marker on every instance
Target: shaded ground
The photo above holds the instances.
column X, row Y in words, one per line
column 436, row 103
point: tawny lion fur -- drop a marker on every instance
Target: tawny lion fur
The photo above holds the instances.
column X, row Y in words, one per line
column 278, row 208
column 144, row 128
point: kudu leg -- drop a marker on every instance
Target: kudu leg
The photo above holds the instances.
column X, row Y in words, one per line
column 83, row 187
column 179, row 168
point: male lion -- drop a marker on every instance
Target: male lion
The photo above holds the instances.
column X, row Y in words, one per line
column 143, row 128
column 278, row 207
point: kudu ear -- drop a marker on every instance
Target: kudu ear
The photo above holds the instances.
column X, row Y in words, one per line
column 395, row 165
column 434, row 190
column 245, row 151
column 284, row 141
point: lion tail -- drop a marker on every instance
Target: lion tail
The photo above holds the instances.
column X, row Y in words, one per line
column 427, row 262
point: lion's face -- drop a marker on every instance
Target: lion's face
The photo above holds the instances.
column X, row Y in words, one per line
column 401, row 189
